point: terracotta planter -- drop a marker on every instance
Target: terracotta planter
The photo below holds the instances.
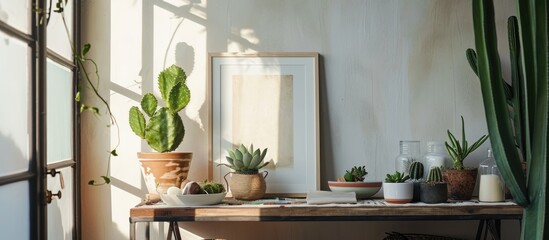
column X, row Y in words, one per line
column 247, row 186
column 461, row 183
column 434, row 192
column 398, row 192
column 164, row 170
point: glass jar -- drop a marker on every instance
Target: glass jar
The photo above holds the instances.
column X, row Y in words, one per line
column 491, row 187
column 435, row 157
column 409, row 152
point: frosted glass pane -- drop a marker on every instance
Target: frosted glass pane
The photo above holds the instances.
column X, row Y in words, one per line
column 16, row 14
column 15, row 207
column 14, row 105
column 59, row 108
column 61, row 211
column 57, row 35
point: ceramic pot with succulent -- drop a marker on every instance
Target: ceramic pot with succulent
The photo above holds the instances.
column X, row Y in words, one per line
column 461, row 180
column 397, row 190
column 246, row 182
column 416, row 177
column 353, row 181
column 434, row 190
column 164, row 132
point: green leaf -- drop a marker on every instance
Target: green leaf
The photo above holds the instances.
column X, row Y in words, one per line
column 256, row 160
column 243, row 149
column 106, row 179
column 137, row 122
column 77, row 96
column 149, row 104
column 238, row 154
column 230, row 160
column 113, row 152
column 246, row 160
column 85, row 49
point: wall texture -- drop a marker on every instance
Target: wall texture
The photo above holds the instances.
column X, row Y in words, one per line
column 391, row 71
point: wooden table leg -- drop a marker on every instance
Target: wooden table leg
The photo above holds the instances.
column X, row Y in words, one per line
column 174, row 229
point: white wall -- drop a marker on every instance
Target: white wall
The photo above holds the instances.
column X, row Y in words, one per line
column 391, row 70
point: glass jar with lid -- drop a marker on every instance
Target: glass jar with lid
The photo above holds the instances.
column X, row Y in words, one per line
column 491, row 187
column 435, row 156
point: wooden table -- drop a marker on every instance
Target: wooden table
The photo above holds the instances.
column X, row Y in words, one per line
column 377, row 211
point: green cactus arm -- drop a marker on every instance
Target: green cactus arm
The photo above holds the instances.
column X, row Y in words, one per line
column 519, row 120
column 471, row 56
column 168, row 78
column 149, row 104
column 137, row 122
column 165, row 131
column 499, row 126
column 179, row 97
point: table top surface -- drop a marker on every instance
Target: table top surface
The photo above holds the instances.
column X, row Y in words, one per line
column 297, row 210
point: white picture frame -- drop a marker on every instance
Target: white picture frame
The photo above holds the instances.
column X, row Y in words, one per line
column 283, row 116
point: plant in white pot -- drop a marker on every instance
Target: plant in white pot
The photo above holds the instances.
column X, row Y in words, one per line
column 164, row 132
column 396, row 189
column 246, row 182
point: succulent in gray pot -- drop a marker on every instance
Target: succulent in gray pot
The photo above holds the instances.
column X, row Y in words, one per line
column 434, row 190
column 416, row 177
column 246, row 182
column 461, row 180
column 164, row 132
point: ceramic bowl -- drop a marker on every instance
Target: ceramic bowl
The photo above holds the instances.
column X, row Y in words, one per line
column 362, row 189
column 192, row 199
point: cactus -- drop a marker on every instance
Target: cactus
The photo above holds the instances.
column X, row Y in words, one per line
column 246, row 161
column 435, row 175
column 459, row 151
column 397, row 177
column 416, row 171
column 164, row 130
column 526, row 137
column 356, row 174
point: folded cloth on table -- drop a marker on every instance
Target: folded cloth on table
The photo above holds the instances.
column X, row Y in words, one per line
column 326, row 197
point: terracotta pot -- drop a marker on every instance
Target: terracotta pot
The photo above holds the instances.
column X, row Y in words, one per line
column 434, row 192
column 461, row 183
column 164, row 170
column 398, row 192
column 247, row 186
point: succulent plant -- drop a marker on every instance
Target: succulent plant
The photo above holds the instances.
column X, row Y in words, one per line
column 356, row 174
column 246, row 161
column 397, row 177
column 164, row 131
column 435, row 175
column 459, row 151
column 416, row 171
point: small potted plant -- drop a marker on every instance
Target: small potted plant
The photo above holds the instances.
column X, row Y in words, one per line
column 353, row 181
column 164, row 132
column 416, row 177
column 396, row 189
column 461, row 180
column 246, row 182
column 434, row 190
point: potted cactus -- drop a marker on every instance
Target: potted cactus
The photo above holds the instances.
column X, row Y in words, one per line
column 396, row 189
column 434, row 190
column 416, row 177
column 461, row 180
column 164, row 132
column 246, row 182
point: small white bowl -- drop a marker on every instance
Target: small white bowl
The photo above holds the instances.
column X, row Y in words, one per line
column 192, row 199
column 362, row 189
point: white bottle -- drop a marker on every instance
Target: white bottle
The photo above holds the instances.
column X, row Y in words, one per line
column 491, row 187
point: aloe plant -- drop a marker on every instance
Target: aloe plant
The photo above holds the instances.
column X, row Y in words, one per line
column 460, row 150
column 165, row 130
column 529, row 63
